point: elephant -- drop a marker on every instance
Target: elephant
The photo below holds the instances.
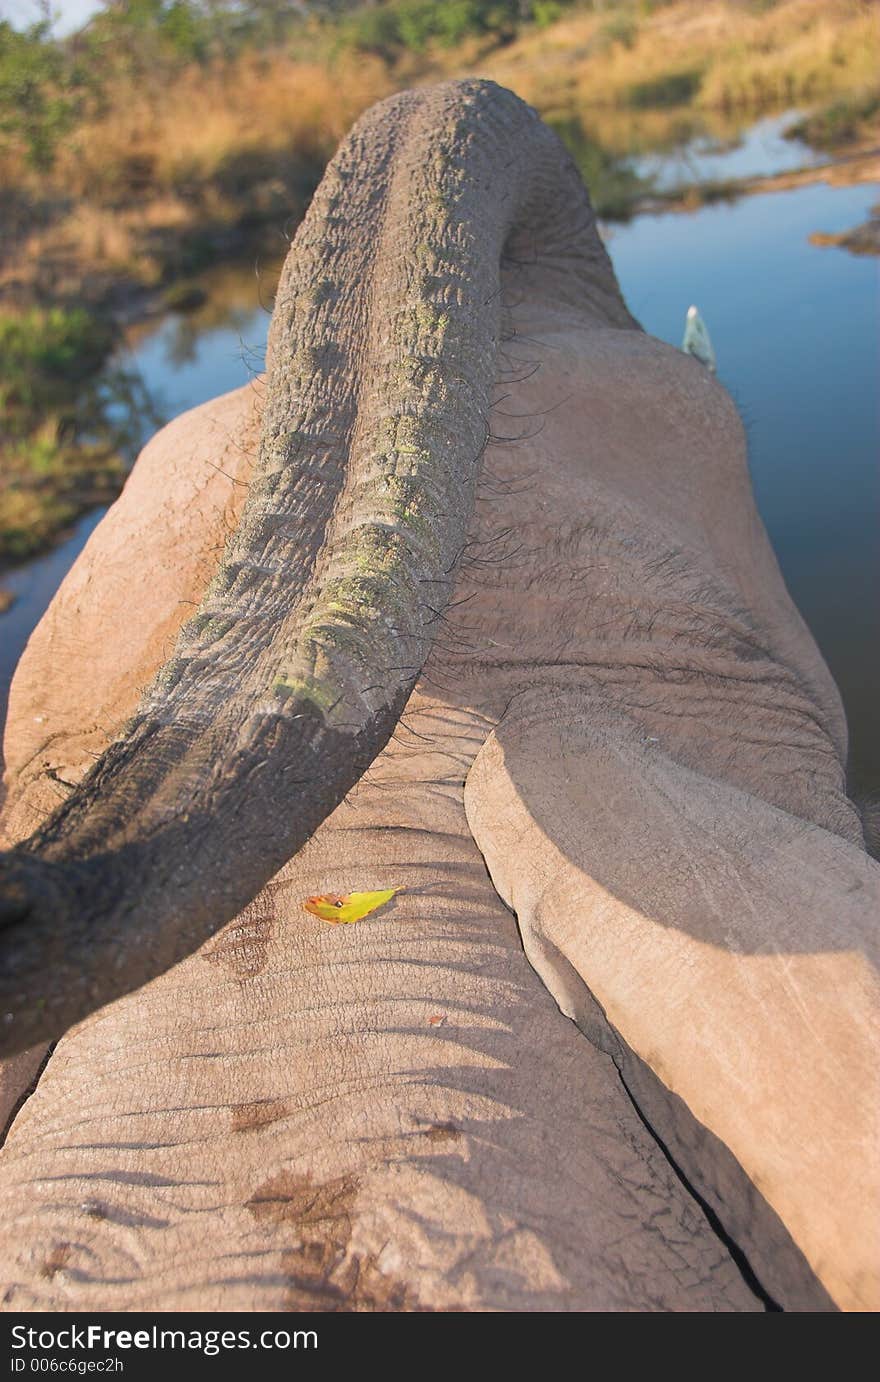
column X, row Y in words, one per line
column 469, row 596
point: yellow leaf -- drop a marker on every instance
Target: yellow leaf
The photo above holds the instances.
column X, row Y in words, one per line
column 336, row 907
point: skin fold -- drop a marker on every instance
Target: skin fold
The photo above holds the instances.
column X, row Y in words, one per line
column 609, row 702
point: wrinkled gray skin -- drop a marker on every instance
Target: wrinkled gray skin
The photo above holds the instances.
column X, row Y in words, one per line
column 302, row 655
column 621, row 713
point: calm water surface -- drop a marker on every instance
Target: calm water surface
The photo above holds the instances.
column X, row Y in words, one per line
column 795, row 331
column 756, row 152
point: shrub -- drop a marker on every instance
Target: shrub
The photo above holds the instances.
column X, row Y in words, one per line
column 672, row 89
column 841, row 122
column 413, row 25
column 622, row 28
column 546, row 12
column 46, row 356
column 38, row 92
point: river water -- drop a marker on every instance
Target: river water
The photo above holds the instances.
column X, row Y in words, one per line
column 796, row 335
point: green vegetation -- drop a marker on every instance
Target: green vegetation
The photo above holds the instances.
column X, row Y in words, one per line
column 672, row 89
column 64, row 432
column 615, row 189
column 39, row 92
column 843, row 122
column 400, row 26
column 46, row 355
column 413, row 25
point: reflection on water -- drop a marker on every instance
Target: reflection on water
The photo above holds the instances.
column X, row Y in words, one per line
column 758, row 151
column 795, row 332
column 614, row 183
column 623, row 161
column 190, row 357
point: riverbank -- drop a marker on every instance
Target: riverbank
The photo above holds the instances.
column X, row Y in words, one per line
column 846, row 170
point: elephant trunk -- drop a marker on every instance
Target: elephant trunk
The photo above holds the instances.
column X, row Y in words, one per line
column 290, row 677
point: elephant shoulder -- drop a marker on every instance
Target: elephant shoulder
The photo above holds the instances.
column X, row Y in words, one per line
column 115, row 616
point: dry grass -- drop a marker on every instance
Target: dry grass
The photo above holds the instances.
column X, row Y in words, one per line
column 734, row 55
column 85, row 247
column 220, row 146
column 101, row 236
column 831, row 55
column 222, row 126
column 246, row 142
column 39, row 502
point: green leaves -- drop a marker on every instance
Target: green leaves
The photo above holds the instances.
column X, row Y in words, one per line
column 39, row 97
column 46, row 355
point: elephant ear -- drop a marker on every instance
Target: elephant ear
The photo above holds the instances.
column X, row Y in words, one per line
column 730, row 946
column 120, row 608
column 113, row 619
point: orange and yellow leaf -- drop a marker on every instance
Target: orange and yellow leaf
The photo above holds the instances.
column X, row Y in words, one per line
column 336, row 907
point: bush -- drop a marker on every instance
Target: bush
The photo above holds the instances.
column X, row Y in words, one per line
column 144, row 32
column 840, row 123
column 46, row 356
column 546, row 12
column 622, row 28
column 38, row 97
column 413, row 25
column 672, row 89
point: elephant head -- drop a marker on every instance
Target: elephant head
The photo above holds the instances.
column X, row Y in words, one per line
column 486, row 502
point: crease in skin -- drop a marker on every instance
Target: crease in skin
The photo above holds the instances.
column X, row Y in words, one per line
column 708, row 932
column 241, row 1030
